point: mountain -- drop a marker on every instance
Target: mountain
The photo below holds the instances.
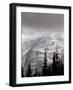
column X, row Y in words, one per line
column 33, row 50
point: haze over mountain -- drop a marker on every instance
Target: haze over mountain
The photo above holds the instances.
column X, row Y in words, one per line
column 44, row 41
column 33, row 50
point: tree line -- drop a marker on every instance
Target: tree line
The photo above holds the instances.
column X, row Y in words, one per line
column 56, row 68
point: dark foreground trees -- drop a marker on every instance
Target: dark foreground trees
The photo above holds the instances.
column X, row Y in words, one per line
column 54, row 69
column 28, row 73
column 22, row 72
column 44, row 67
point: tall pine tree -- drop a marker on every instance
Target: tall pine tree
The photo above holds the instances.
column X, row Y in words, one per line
column 44, row 70
column 28, row 73
column 35, row 74
column 22, row 73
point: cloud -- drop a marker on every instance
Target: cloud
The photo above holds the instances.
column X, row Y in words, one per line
column 53, row 22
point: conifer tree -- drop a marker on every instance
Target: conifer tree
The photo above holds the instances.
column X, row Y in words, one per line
column 35, row 74
column 44, row 70
column 28, row 73
column 22, row 73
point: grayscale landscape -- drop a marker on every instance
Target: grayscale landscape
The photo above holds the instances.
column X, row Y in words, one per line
column 42, row 44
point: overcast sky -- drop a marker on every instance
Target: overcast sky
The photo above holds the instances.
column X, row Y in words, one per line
column 35, row 24
column 54, row 22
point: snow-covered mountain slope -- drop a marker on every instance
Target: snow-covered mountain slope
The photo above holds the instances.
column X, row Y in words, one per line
column 33, row 50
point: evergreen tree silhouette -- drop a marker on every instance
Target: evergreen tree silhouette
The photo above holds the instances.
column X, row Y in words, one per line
column 28, row 73
column 38, row 73
column 56, row 65
column 35, row 74
column 44, row 70
column 22, row 73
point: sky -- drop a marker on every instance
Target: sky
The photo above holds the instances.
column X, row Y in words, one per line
column 34, row 25
column 54, row 22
